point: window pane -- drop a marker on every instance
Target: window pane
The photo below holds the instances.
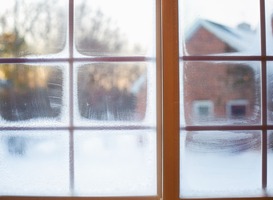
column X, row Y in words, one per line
column 31, row 94
column 34, row 163
column 269, row 26
column 270, row 163
column 218, row 27
column 270, row 92
column 229, row 90
column 32, row 27
column 115, row 163
column 120, row 27
column 220, row 164
column 115, row 92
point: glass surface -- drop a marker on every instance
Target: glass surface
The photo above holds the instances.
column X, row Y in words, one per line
column 31, row 94
column 220, row 164
column 115, row 163
column 34, row 163
column 32, row 28
column 270, row 92
column 229, row 90
column 270, row 163
column 120, row 27
column 115, row 92
column 269, row 26
column 219, row 27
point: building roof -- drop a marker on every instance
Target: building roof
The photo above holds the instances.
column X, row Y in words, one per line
column 241, row 39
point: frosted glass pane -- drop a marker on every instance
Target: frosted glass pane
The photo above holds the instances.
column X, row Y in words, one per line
column 34, row 163
column 32, row 27
column 112, row 91
column 31, row 94
column 269, row 26
column 270, row 164
column 209, row 27
column 220, row 164
column 220, row 93
column 115, row 163
column 270, row 92
column 120, row 27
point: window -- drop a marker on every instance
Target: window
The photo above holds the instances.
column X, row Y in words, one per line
column 56, row 133
column 220, row 64
column 203, row 110
column 237, row 109
column 78, row 99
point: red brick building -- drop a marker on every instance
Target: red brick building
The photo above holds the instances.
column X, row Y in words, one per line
column 220, row 91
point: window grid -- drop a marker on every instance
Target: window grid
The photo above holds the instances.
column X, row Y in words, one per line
column 264, row 127
column 71, row 60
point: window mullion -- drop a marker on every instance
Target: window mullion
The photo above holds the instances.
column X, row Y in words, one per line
column 170, row 99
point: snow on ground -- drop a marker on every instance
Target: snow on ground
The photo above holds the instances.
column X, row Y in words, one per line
column 122, row 163
column 221, row 173
column 105, row 162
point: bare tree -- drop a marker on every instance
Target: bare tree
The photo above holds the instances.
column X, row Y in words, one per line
column 39, row 27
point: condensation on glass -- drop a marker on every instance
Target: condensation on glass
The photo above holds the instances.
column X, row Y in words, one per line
column 34, row 163
column 269, row 26
column 223, row 163
column 270, row 162
column 84, row 123
column 269, row 92
column 115, row 162
column 32, row 94
column 112, row 91
column 102, row 30
column 221, row 93
column 32, row 28
column 210, row 28
column 220, row 164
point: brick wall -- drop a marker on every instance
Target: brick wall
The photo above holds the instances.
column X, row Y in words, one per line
column 217, row 82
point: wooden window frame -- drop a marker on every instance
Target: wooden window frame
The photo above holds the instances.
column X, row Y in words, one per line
column 168, row 101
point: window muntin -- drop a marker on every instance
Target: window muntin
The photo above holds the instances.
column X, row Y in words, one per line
column 140, row 131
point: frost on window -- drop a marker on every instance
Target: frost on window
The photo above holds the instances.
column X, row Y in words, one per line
column 30, row 92
column 226, row 92
column 102, row 30
column 210, row 28
column 34, row 163
column 115, row 163
column 220, row 164
column 270, row 162
column 269, row 26
column 112, row 92
column 202, row 110
column 30, row 28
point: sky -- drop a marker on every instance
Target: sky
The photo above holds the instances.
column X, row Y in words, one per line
column 227, row 12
